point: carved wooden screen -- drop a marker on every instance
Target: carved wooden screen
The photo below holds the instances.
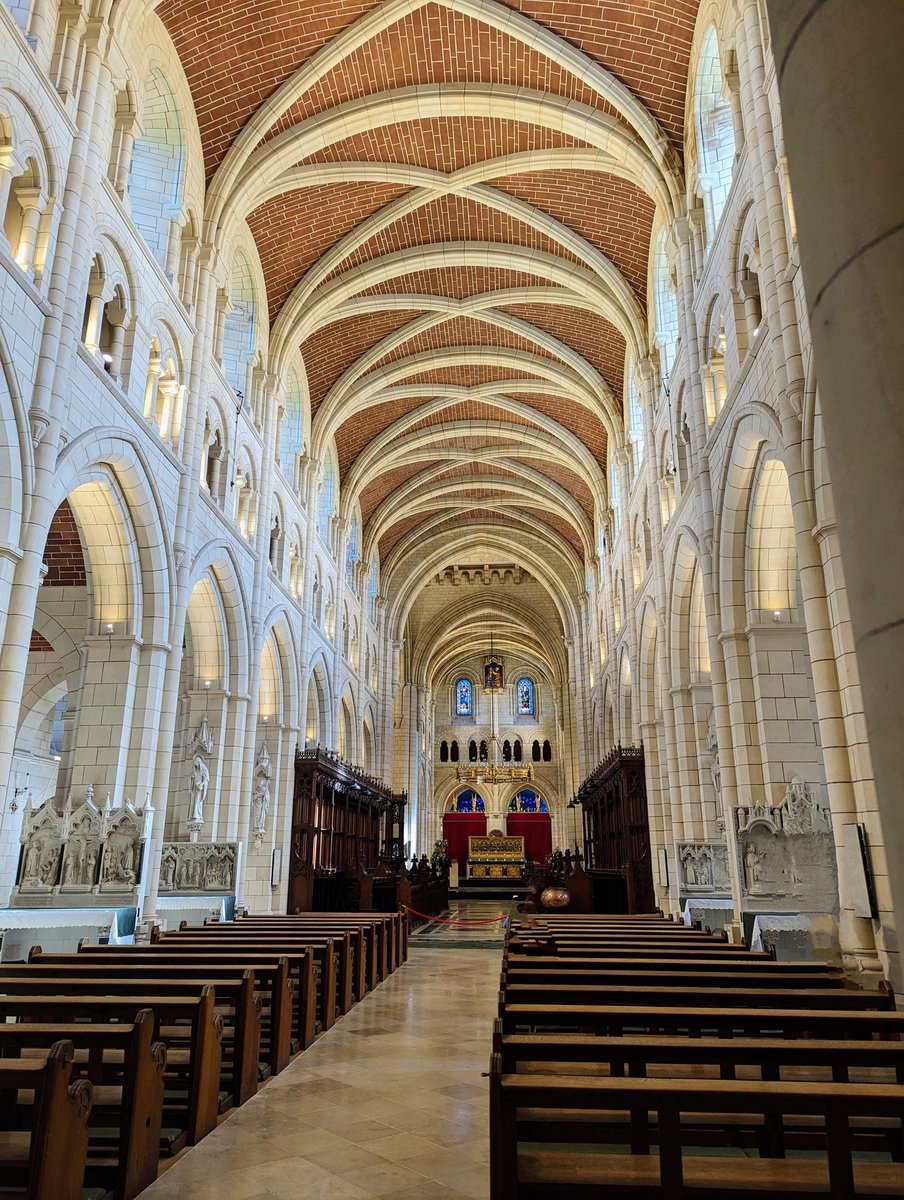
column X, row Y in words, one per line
column 617, row 830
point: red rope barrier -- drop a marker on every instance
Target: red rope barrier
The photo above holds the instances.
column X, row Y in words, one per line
column 451, row 921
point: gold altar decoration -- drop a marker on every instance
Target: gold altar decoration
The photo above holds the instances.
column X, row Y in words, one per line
column 485, row 773
column 496, row 857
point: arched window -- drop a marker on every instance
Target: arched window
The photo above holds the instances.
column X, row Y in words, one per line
column 26, row 218
column 372, row 591
column 351, row 553
column 615, row 497
column 506, row 751
column 444, row 752
column 525, row 688
column 634, row 429
column 469, row 801
column 157, row 169
column 517, row 751
column 327, row 499
column 666, row 307
column 464, row 698
column 715, row 132
column 535, row 752
column 484, row 752
column 239, row 328
column 453, row 751
column 472, row 751
column 528, row 801
column 547, row 752
column 291, row 433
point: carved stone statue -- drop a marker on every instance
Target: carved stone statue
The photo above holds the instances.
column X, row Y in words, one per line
column 200, row 782
column 753, row 861
column 31, row 866
column 167, row 869
column 260, row 796
column 187, row 867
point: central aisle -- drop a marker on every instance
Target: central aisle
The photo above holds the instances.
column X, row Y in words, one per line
column 390, row 1102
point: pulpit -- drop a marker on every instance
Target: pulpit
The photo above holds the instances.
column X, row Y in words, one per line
column 496, row 856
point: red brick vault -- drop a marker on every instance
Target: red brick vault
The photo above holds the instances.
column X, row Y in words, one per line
column 453, row 205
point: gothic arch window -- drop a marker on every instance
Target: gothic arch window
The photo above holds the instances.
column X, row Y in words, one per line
column 372, row 591
column 239, row 329
column 517, row 750
column 535, row 751
column 157, row 168
column 327, row 499
column 464, row 698
column 484, row 752
column 525, row 697
column 468, row 801
column 291, row 430
column 506, row 751
column 351, row 553
column 715, row 132
column 547, row 752
column 666, row 307
column 472, row 751
column 443, row 752
column 634, row 431
column 453, row 752
column 528, row 801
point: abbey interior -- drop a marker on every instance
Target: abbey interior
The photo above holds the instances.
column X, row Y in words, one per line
column 450, row 499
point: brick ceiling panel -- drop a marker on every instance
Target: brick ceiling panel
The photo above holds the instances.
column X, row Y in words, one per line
column 384, row 485
column 644, row 43
column 566, row 479
column 457, row 283
column 589, row 335
column 565, row 530
column 612, row 214
column 436, row 45
column 63, row 553
column 453, row 218
column 468, row 375
column 236, row 54
column 329, row 352
column 444, row 144
column 293, row 231
column 463, row 331
column 396, row 532
column 355, row 434
column 470, row 469
column 472, row 410
column 580, row 421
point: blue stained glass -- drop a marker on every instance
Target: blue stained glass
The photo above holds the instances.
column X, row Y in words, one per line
column 528, row 801
column 526, row 697
column 470, row 802
column 464, row 703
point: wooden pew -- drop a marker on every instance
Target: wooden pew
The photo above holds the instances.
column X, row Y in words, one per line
column 331, row 956
column 285, row 983
column 652, row 972
column 45, row 1141
column 235, row 1000
column 568, row 995
column 719, row 952
column 125, row 1068
column 517, row 1171
column 613, row 1020
column 391, row 944
column 188, row 1021
column 667, row 960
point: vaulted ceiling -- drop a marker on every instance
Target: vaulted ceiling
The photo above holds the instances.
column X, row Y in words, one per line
column 453, row 204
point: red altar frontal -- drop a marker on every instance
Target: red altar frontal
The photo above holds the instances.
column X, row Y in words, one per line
column 534, row 828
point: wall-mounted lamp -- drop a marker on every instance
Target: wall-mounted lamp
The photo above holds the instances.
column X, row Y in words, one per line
column 207, row 683
column 777, row 615
column 265, row 718
column 108, row 629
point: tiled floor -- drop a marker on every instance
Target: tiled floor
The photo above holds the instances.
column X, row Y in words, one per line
column 468, row 922
column 389, row 1103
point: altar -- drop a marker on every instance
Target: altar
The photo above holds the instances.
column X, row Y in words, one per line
column 496, row 856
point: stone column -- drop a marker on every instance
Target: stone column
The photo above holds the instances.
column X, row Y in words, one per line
column 838, row 69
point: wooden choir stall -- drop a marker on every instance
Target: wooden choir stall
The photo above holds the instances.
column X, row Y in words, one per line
column 613, row 800
column 346, row 846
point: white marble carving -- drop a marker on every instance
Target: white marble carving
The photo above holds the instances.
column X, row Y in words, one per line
column 125, row 829
column 786, row 853
column 189, row 867
column 202, row 742
column 260, row 796
column 704, row 868
column 42, row 838
column 82, row 832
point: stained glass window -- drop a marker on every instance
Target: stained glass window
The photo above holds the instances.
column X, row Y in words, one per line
column 525, row 697
column 470, row 802
column 528, row 801
column 464, row 698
